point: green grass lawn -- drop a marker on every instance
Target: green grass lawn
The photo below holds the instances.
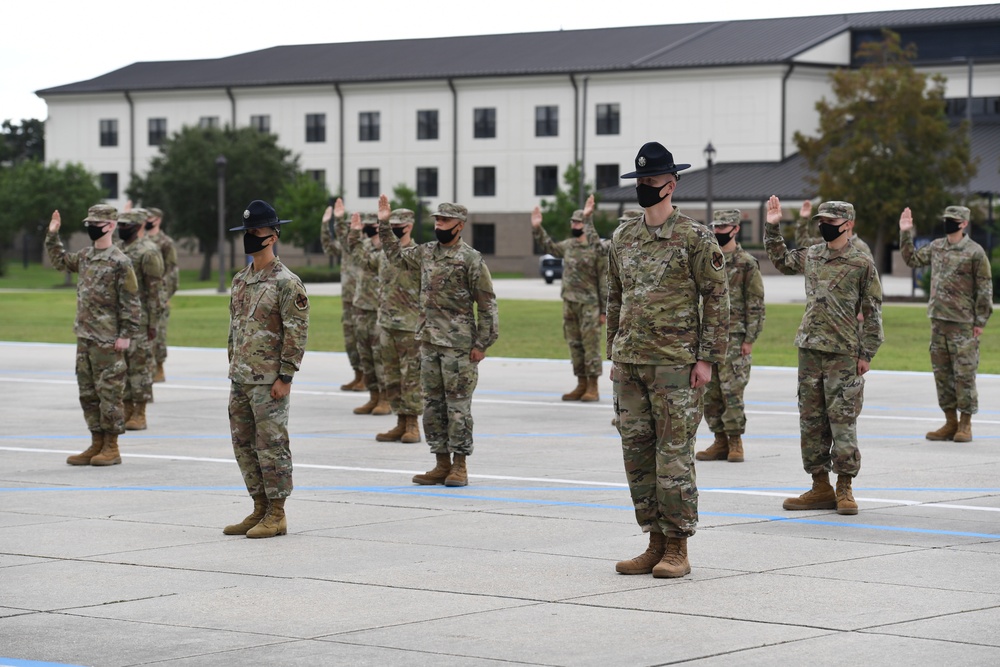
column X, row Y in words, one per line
column 530, row 329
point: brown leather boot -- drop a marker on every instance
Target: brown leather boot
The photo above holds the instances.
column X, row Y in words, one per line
column 964, row 431
column 946, row 432
column 159, row 377
column 273, row 523
column 581, row 386
column 644, row 562
column 412, row 432
column 129, row 408
column 259, row 510
column 845, row 496
column 367, row 408
column 438, row 473
column 138, row 420
column 394, row 434
column 735, row 448
column 109, row 455
column 717, row 451
column 84, row 457
column 458, row 475
column 382, row 407
column 350, row 386
column 590, row 393
column 820, row 497
column 675, row 560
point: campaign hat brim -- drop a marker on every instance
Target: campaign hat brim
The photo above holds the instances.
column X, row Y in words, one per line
column 639, row 173
column 275, row 223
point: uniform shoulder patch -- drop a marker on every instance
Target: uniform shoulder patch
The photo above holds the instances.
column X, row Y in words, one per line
column 718, row 260
column 301, row 302
column 131, row 282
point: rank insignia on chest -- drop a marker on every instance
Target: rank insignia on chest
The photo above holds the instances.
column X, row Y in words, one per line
column 301, row 302
column 718, row 261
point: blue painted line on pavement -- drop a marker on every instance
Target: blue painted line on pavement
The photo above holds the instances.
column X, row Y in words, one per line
column 15, row 662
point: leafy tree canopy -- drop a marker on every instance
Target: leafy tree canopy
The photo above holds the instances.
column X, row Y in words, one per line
column 302, row 200
column 557, row 212
column 19, row 143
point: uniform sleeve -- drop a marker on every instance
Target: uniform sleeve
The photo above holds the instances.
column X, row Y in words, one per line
column 152, row 274
column 546, row 243
column 488, row 319
column 805, row 234
column 128, row 302
column 871, row 309
column 602, row 278
column 753, row 297
column 408, row 257
column 614, row 305
column 171, row 272
column 789, row 262
column 708, row 268
column 913, row 258
column 232, row 319
column 331, row 246
column 61, row 260
column 983, row 291
column 361, row 252
column 294, row 305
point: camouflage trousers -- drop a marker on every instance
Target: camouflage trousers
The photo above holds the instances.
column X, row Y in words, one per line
column 101, row 376
column 582, row 331
column 350, row 341
column 658, row 416
column 401, row 371
column 366, row 336
column 160, row 345
column 831, row 394
column 724, row 407
column 140, row 361
column 447, row 380
column 955, row 360
column 259, row 427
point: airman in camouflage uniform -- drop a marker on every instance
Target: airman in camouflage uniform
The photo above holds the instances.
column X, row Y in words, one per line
column 367, row 295
column 668, row 323
column 147, row 262
column 961, row 302
column 455, row 288
column 269, row 322
column 834, row 351
column 107, row 319
column 584, row 295
column 807, row 232
column 334, row 244
column 171, row 282
column 724, row 408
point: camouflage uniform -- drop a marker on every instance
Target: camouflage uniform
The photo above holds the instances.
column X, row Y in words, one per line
column 840, row 284
column 367, row 296
column 334, row 245
column 584, row 294
column 961, row 298
column 667, row 308
column 269, row 322
column 147, row 262
column 455, row 287
column 107, row 308
column 171, row 282
column 806, row 234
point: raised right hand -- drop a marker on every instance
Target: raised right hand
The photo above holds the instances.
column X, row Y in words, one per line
column 384, row 210
column 773, row 210
column 536, row 217
column 806, row 210
column 338, row 208
column 55, row 222
column 356, row 220
column 327, row 214
column 906, row 220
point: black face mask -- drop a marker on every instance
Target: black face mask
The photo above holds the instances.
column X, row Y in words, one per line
column 399, row 232
column 951, row 225
column 370, row 230
column 831, row 232
column 723, row 239
column 648, row 195
column 253, row 244
column 446, row 236
column 128, row 233
column 576, row 232
column 95, row 231
column 149, row 226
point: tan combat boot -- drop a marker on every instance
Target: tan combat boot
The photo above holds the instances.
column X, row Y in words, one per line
column 159, row 377
column 412, row 433
column 964, row 431
column 675, row 560
column 946, row 432
column 84, row 457
column 350, row 386
column 590, row 393
column 735, row 448
column 644, row 562
column 820, row 497
column 845, row 496
column 259, row 510
column 273, row 523
column 581, row 386
column 717, row 451
column 394, row 434
column 367, row 408
column 382, row 407
column 436, row 475
column 109, row 455
column 137, row 422
column 458, row 475
column 127, row 405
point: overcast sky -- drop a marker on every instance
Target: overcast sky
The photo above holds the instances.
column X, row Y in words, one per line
column 64, row 41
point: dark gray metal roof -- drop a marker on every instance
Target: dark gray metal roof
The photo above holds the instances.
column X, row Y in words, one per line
column 723, row 43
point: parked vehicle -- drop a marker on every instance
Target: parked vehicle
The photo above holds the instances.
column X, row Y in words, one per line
column 550, row 268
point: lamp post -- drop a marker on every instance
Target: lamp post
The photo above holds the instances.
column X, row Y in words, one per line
column 220, row 169
column 709, row 154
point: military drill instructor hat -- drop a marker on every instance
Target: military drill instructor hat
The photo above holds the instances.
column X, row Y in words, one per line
column 450, row 210
column 400, row 217
column 101, row 213
column 835, row 209
column 724, row 217
column 652, row 160
column 133, row 217
column 956, row 213
column 258, row 214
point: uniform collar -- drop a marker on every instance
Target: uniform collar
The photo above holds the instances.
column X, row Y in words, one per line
column 263, row 274
column 664, row 231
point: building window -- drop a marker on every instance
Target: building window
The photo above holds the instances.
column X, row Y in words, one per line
column 546, row 121
column 208, row 122
column 427, row 124
column 368, row 183
column 368, row 126
column 109, row 183
column 109, row 132
column 607, row 176
column 546, row 180
column 608, row 118
column 315, row 128
column 484, row 181
column 485, row 121
column 157, row 131
column 261, row 123
column 484, row 237
column 318, row 175
column 427, row 182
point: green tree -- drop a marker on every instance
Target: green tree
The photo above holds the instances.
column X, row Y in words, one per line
column 30, row 191
column 885, row 142
column 19, row 143
column 182, row 180
column 302, row 201
column 557, row 212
